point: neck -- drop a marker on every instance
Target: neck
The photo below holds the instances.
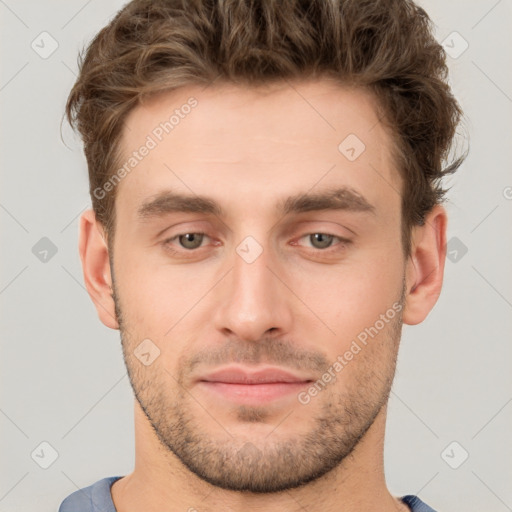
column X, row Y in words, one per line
column 160, row 482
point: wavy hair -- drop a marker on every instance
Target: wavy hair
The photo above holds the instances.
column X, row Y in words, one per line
column 386, row 46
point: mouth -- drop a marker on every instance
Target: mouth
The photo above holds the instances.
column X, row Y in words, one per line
column 245, row 386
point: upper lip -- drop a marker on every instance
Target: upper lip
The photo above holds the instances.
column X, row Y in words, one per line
column 241, row 375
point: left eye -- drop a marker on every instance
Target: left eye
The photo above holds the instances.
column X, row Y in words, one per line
column 322, row 240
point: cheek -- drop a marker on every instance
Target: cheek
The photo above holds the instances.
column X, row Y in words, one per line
column 160, row 300
column 140, row 294
column 351, row 296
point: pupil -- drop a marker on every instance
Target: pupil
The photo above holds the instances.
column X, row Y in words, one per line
column 194, row 239
column 324, row 239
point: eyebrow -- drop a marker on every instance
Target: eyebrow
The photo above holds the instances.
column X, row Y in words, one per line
column 168, row 201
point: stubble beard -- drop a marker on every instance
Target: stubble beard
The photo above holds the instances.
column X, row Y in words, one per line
column 271, row 464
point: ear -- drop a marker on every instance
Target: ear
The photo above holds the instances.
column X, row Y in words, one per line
column 425, row 266
column 94, row 255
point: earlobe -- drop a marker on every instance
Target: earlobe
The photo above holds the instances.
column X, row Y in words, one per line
column 94, row 255
column 425, row 267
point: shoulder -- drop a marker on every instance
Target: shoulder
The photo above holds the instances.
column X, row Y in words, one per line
column 93, row 498
column 416, row 505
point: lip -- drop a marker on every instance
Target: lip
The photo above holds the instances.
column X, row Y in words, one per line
column 244, row 375
column 248, row 386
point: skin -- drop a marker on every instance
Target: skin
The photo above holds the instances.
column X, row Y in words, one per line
column 296, row 306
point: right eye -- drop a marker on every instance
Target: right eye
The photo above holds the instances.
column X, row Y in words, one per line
column 188, row 242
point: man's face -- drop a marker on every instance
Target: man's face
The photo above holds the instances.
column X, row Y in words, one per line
column 254, row 286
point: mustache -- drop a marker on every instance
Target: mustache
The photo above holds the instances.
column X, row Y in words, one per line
column 268, row 351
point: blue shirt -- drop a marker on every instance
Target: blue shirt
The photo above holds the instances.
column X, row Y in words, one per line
column 97, row 498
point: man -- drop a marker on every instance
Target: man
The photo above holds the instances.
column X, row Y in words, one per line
column 265, row 179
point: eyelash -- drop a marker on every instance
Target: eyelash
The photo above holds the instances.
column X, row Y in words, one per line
column 343, row 243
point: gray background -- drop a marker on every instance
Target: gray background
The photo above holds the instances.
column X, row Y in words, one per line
column 62, row 377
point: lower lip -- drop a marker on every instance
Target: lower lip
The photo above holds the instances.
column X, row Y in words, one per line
column 254, row 393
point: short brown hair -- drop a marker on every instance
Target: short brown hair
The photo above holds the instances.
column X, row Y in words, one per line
column 386, row 46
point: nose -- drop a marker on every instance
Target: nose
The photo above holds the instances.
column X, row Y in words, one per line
column 254, row 300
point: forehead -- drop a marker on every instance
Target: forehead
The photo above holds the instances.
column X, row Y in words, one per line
column 241, row 143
